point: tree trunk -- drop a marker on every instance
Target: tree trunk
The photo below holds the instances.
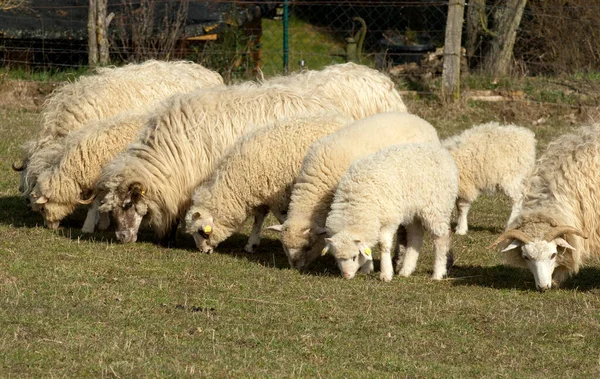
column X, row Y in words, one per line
column 92, row 41
column 506, row 20
column 476, row 27
column 102, row 33
column 451, row 69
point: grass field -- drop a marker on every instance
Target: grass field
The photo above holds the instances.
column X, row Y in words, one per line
column 78, row 306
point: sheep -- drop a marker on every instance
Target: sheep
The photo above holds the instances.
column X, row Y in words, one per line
column 251, row 179
column 414, row 185
column 155, row 176
column 63, row 186
column 354, row 83
column 489, row 157
column 325, row 162
column 558, row 228
column 94, row 97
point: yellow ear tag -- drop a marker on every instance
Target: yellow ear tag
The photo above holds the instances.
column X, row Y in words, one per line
column 367, row 251
column 324, row 251
column 207, row 229
column 143, row 193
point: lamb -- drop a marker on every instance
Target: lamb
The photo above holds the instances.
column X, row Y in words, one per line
column 94, row 97
column 414, row 185
column 65, row 185
column 325, row 163
column 179, row 148
column 491, row 156
column 252, row 179
column 558, row 228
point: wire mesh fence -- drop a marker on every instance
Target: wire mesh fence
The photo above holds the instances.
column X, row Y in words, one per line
column 243, row 38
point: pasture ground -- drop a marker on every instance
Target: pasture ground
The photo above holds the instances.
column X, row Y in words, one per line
column 85, row 306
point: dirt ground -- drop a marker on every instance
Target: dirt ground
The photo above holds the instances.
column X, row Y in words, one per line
column 29, row 95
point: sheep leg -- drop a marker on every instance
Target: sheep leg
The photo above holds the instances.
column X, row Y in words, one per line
column 91, row 219
column 463, row 206
column 104, row 221
column 260, row 214
column 517, row 199
column 414, row 234
column 399, row 248
column 443, row 257
column 386, row 241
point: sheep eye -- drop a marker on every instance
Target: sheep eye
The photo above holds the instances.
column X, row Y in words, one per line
column 525, row 257
column 42, row 210
column 126, row 206
column 553, row 256
column 354, row 258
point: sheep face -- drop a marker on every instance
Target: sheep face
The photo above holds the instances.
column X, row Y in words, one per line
column 350, row 253
column 128, row 212
column 302, row 244
column 540, row 254
column 200, row 226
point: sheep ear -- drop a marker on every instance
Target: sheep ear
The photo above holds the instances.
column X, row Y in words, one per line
column 196, row 216
column 513, row 245
column 306, row 231
column 320, row 230
column 137, row 191
column 365, row 251
column 563, row 243
column 41, row 200
column 275, row 228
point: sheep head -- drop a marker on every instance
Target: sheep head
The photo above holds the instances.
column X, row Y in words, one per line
column 302, row 242
column 128, row 212
column 350, row 253
column 538, row 254
column 200, row 224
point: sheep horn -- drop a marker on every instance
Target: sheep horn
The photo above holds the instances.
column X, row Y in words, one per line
column 563, row 229
column 512, row 233
column 87, row 201
column 21, row 167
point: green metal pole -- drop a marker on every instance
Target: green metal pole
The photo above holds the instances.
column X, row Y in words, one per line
column 286, row 63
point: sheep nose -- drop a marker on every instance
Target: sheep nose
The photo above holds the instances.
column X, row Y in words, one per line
column 125, row 237
column 348, row 275
column 543, row 288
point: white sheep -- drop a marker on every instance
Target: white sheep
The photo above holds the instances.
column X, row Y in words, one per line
column 325, row 163
column 558, row 228
column 411, row 185
column 353, row 84
column 155, row 177
column 63, row 186
column 489, row 157
column 255, row 176
column 110, row 91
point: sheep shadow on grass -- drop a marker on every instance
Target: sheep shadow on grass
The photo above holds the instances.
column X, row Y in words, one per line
column 14, row 211
column 506, row 277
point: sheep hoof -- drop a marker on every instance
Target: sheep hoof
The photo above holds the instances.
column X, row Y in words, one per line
column 87, row 230
column 249, row 248
column 385, row 277
column 461, row 231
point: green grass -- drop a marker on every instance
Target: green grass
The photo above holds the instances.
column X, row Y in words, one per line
column 42, row 75
column 306, row 42
column 77, row 306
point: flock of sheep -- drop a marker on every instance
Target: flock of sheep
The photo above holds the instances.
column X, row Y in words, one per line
column 332, row 154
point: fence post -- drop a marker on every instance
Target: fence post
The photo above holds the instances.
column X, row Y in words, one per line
column 92, row 40
column 286, row 63
column 451, row 69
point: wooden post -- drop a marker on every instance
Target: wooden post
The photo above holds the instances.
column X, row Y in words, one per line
column 102, row 32
column 92, row 38
column 451, row 69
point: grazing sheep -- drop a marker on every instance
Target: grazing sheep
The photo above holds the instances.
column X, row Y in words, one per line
column 155, row 177
column 325, row 163
column 67, row 184
column 414, row 185
column 94, row 97
column 489, row 157
column 255, row 176
column 558, row 228
column 354, row 84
